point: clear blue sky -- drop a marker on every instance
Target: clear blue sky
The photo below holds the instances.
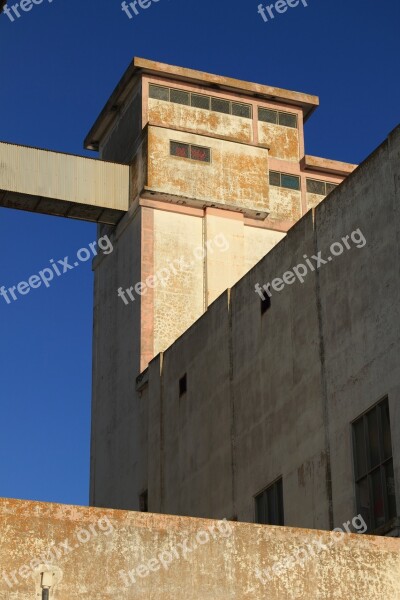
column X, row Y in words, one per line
column 58, row 65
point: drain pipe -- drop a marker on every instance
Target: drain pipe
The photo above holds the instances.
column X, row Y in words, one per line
column 47, row 582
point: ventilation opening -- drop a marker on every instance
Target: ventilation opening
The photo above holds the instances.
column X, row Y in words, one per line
column 182, row 385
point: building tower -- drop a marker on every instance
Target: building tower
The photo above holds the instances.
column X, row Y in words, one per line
column 218, row 174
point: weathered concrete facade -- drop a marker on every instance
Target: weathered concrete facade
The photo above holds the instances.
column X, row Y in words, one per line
column 274, row 395
column 201, row 162
column 96, row 554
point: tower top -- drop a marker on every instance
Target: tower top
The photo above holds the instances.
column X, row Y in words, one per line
column 140, row 66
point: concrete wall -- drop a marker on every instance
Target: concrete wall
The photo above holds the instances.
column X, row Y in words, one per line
column 118, row 450
column 236, row 175
column 275, row 394
column 101, row 555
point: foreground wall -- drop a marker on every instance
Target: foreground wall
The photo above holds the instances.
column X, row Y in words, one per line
column 94, row 554
column 274, row 395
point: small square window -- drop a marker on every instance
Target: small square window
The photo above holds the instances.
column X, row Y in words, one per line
column 180, row 97
column 200, row 153
column 288, row 120
column 219, row 105
column 182, row 385
column 274, row 178
column 241, row 110
column 267, row 115
column 179, row 149
column 290, row 181
column 200, row 101
column 159, row 93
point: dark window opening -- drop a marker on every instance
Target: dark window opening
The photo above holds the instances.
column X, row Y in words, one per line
column 265, row 303
column 144, row 502
column 269, row 505
column 180, row 97
column 219, row 105
column 276, row 117
column 200, row 153
column 373, row 466
column 199, row 101
column 323, row 188
column 179, row 149
column 182, row 385
column 158, row 92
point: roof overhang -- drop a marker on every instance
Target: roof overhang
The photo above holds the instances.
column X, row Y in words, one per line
column 141, row 66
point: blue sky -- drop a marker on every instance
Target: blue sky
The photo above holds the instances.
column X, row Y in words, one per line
column 58, row 64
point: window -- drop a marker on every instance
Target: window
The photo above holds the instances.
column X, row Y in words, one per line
column 179, row 97
column 265, row 302
column 290, row 182
column 158, row 92
column 237, row 109
column 269, row 505
column 183, row 150
column 179, row 149
column 144, row 501
column 373, row 466
column 323, row 188
column 182, row 385
column 277, row 117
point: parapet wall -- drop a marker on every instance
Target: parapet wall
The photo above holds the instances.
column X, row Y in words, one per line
column 95, row 554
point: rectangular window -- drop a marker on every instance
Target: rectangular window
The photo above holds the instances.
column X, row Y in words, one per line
column 179, row 97
column 277, row 117
column 219, row 105
column 291, row 182
column 237, row 109
column 373, row 466
column 241, row 110
column 144, row 501
column 269, row 505
column 158, row 92
column 182, row 385
column 268, row 116
column 322, row 188
column 200, row 101
column 198, row 153
column 179, row 149
column 287, row 119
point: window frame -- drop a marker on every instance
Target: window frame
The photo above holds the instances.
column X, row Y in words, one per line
column 280, row 180
column 210, row 98
column 326, row 183
column 277, row 487
column 277, row 120
column 371, row 469
column 190, row 146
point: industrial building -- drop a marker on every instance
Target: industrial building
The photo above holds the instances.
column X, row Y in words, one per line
column 210, row 399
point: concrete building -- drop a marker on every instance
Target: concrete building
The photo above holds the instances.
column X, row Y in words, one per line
column 211, row 399
column 213, row 160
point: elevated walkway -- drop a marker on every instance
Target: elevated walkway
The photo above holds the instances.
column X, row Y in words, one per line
column 63, row 185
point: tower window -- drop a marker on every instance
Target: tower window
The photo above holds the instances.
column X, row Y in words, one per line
column 291, row 182
column 229, row 107
column 182, row 150
column 269, row 505
column 277, row 117
column 182, row 385
column 323, row 188
column 373, row 466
